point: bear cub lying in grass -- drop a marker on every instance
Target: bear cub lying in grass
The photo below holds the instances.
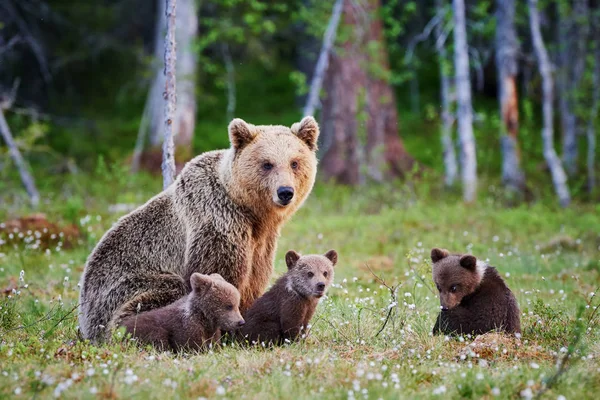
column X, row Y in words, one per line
column 285, row 310
column 192, row 322
column 474, row 298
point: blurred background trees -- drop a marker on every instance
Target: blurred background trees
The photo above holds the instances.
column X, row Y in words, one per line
column 414, row 90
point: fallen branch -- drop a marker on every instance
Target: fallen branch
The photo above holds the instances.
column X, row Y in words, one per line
column 15, row 154
column 394, row 296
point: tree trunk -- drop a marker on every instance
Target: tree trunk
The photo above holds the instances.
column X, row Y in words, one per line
column 506, row 60
column 591, row 128
column 360, row 121
column 312, row 100
column 559, row 177
column 170, row 95
column 450, row 166
column 565, row 55
column 15, row 154
column 463, row 97
column 230, row 69
column 185, row 117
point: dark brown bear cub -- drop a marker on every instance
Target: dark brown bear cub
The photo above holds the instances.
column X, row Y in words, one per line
column 287, row 308
column 192, row 322
column 474, row 298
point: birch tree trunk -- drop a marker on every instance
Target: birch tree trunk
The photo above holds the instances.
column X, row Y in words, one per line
column 230, row 70
column 360, row 121
column 15, row 154
column 185, row 117
column 450, row 165
column 591, row 128
column 312, row 100
column 506, row 60
column 170, row 95
column 463, row 97
column 559, row 177
column 565, row 55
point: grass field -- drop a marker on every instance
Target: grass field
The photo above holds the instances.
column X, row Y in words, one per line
column 549, row 257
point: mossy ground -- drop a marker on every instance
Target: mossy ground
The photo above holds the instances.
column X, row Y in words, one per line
column 549, row 257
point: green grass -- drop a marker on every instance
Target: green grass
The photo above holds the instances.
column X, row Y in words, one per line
column 550, row 258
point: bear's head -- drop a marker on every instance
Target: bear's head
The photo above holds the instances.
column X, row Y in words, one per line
column 310, row 275
column 270, row 166
column 216, row 299
column 455, row 275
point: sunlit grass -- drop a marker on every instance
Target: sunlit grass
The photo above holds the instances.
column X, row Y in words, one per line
column 549, row 258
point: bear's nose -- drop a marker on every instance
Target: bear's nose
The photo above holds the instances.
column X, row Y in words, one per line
column 285, row 194
column 241, row 322
column 321, row 286
column 444, row 308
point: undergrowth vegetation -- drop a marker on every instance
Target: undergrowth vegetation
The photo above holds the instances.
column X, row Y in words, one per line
column 371, row 335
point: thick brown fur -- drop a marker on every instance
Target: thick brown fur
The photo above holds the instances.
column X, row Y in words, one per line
column 192, row 322
column 285, row 311
column 474, row 298
column 222, row 215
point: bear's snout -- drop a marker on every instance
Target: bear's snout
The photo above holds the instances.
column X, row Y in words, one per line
column 285, row 195
column 241, row 322
column 321, row 286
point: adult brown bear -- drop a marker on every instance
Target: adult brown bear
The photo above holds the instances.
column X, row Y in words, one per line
column 222, row 215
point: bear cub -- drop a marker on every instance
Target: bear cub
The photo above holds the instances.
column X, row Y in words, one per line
column 285, row 310
column 474, row 298
column 192, row 322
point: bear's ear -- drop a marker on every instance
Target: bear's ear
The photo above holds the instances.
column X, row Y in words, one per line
column 438, row 254
column 200, row 282
column 217, row 277
column 307, row 130
column 240, row 133
column 332, row 256
column 291, row 258
column 469, row 262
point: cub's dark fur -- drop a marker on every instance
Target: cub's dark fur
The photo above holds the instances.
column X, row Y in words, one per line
column 287, row 308
column 473, row 297
column 192, row 322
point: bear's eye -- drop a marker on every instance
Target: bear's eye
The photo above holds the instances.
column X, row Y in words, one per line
column 310, row 274
column 294, row 164
column 229, row 308
column 453, row 289
column 267, row 166
column 325, row 274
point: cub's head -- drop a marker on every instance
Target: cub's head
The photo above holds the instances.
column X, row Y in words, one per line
column 272, row 166
column 455, row 276
column 310, row 275
column 217, row 299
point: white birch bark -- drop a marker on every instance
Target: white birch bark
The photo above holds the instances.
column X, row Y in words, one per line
column 15, row 154
column 559, row 177
column 506, row 60
column 170, row 95
column 312, row 101
column 463, row 97
column 230, row 70
column 185, row 119
column 450, row 165
column 591, row 130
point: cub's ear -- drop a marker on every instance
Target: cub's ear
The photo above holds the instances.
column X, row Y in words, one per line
column 469, row 262
column 200, row 282
column 240, row 133
column 291, row 258
column 332, row 256
column 438, row 254
column 307, row 130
